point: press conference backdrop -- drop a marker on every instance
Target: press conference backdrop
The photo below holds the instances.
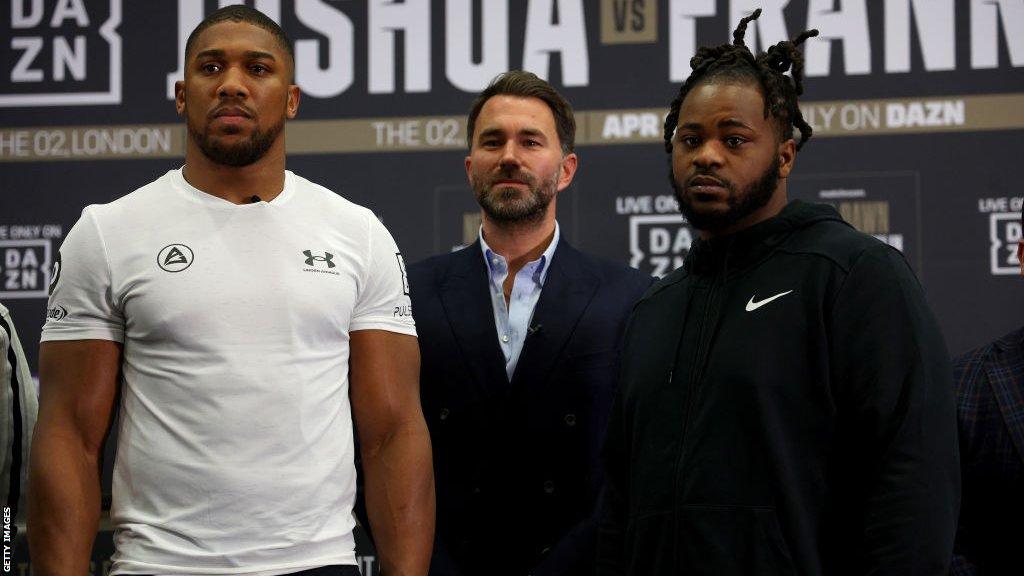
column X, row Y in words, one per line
column 917, row 108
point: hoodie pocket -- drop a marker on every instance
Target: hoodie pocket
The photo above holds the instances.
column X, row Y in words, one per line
column 710, row 540
column 731, row 540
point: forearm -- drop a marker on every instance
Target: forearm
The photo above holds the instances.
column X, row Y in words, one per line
column 63, row 504
column 400, row 498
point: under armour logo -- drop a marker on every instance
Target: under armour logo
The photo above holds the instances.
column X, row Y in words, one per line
column 311, row 260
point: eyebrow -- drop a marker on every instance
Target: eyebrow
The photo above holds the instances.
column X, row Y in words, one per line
column 524, row 132
column 726, row 123
column 249, row 54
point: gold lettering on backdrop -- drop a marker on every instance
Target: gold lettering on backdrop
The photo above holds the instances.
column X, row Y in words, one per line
column 868, row 217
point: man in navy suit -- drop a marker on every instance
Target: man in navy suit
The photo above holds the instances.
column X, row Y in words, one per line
column 519, row 337
column 990, row 409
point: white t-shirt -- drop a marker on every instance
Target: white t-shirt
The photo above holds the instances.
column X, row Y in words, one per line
column 235, row 452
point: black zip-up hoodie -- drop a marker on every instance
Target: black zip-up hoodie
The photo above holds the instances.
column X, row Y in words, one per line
column 785, row 407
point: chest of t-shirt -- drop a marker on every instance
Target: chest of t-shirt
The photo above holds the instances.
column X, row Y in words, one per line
column 259, row 279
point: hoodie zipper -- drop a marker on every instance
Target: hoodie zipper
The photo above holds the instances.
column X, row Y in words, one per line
column 705, row 333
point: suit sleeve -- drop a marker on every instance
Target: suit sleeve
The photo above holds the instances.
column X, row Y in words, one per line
column 893, row 390
column 613, row 503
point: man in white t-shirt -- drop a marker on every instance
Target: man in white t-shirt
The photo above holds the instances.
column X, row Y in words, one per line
column 246, row 317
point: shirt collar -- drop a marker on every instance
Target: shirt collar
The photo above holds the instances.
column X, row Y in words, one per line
column 496, row 263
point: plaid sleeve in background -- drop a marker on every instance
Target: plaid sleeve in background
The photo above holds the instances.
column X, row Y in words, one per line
column 989, row 384
column 18, row 408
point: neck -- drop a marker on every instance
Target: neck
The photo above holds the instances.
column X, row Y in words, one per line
column 519, row 243
column 770, row 210
column 237, row 184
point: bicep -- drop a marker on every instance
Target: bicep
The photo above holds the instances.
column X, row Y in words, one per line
column 384, row 382
column 78, row 381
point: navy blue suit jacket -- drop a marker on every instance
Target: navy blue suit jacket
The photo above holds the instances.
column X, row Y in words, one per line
column 517, row 463
column 990, row 409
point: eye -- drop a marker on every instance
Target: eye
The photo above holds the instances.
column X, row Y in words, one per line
column 531, row 143
column 259, row 69
column 690, row 141
column 210, row 68
column 734, row 141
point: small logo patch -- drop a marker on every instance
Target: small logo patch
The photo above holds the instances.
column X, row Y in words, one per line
column 751, row 306
column 54, row 274
column 56, row 313
column 404, row 277
column 175, row 257
column 312, row 260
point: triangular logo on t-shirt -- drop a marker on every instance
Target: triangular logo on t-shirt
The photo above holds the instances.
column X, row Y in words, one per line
column 175, row 257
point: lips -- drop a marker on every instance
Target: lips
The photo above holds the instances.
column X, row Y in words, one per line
column 706, row 186
column 703, row 181
column 231, row 112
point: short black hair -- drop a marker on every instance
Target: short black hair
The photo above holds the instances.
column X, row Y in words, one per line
column 767, row 69
column 242, row 13
column 528, row 85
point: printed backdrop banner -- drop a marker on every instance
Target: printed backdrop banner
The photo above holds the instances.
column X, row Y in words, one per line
column 917, row 108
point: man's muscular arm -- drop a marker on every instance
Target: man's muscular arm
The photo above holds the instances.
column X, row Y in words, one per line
column 78, row 387
column 395, row 444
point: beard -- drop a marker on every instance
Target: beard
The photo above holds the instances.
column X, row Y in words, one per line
column 241, row 154
column 740, row 203
column 503, row 204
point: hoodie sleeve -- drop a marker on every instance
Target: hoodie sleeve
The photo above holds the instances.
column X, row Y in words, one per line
column 893, row 390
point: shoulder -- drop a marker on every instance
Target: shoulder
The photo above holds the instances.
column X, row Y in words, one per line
column 838, row 242
column 969, row 375
column 328, row 200
column 150, row 198
column 433, row 269
column 610, row 272
column 5, row 326
column 664, row 287
column 971, row 362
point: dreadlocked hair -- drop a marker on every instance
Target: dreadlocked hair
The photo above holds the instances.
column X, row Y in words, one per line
column 768, row 69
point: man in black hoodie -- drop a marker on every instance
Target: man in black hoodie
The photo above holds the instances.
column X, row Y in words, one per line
column 785, row 398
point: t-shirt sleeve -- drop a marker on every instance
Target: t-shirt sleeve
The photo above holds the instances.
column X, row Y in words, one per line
column 81, row 305
column 383, row 301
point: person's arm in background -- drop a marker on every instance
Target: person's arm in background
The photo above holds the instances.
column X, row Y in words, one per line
column 78, row 388
column 395, row 448
column 18, row 409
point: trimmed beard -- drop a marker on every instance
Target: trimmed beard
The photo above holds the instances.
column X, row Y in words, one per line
column 501, row 205
column 741, row 204
column 241, row 154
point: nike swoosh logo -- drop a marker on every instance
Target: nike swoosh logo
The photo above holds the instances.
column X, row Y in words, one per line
column 751, row 306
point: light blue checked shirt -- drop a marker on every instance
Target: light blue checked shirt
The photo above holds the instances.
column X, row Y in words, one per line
column 513, row 321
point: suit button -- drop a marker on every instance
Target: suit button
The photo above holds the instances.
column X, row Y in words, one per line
column 570, row 419
column 444, row 414
column 549, row 487
column 476, row 489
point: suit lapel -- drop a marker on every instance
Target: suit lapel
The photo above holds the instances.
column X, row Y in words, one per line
column 1006, row 373
column 465, row 295
column 568, row 290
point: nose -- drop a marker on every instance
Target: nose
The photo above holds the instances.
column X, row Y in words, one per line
column 509, row 154
column 233, row 84
column 708, row 155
